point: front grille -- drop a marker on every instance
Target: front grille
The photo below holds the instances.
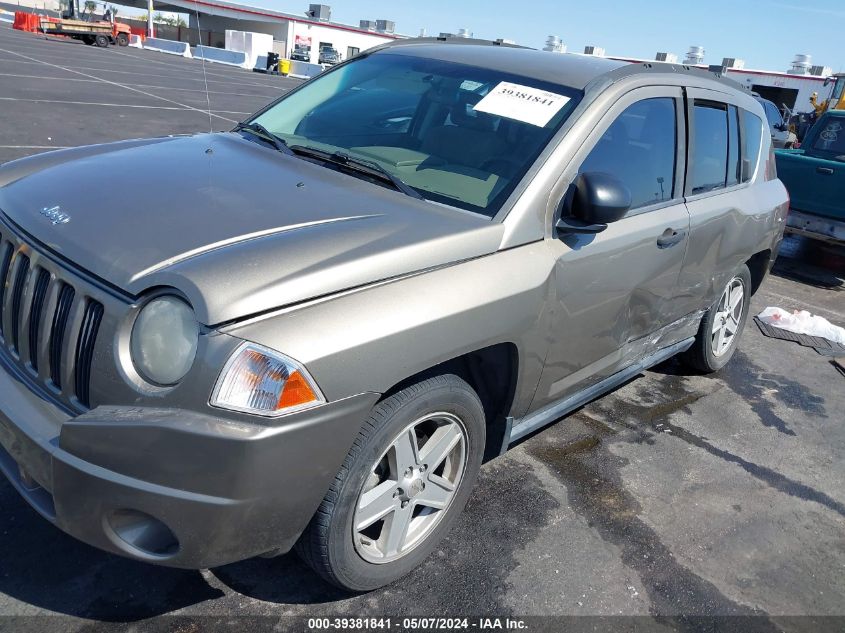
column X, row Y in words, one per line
column 57, row 332
column 38, row 296
column 17, row 295
column 48, row 323
column 85, row 349
column 5, row 263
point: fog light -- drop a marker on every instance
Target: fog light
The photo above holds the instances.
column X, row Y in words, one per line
column 143, row 533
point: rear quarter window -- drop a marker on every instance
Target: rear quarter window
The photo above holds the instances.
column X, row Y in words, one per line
column 752, row 136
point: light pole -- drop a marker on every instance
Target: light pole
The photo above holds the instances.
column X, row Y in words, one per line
column 150, row 30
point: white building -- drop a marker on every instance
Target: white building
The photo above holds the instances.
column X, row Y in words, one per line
column 309, row 30
column 790, row 89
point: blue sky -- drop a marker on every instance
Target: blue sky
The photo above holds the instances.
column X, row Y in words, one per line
column 766, row 34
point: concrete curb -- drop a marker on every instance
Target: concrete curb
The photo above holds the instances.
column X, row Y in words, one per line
column 171, row 47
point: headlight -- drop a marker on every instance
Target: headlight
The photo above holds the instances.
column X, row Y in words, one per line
column 261, row 381
column 164, row 340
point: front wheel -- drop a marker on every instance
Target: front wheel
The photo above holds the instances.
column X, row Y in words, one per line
column 722, row 325
column 122, row 39
column 402, row 485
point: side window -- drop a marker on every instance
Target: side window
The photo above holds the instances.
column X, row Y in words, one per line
column 752, row 134
column 734, row 159
column 772, row 114
column 832, row 137
column 709, row 146
column 837, row 89
column 639, row 149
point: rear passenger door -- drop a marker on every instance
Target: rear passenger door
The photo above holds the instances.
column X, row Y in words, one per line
column 725, row 144
column 616, row 287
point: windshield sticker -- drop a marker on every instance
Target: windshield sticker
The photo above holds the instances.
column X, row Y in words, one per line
column 522, row 103
column 471, row 86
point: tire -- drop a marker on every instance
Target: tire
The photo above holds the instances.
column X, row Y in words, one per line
column 443, row 408
column 709, row 352
column 122, row 39
column 101, row 40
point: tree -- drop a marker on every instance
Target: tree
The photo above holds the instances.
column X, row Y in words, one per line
column 170, row 20
column 90, row 6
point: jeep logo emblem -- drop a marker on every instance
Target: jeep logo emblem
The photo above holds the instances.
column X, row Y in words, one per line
column 55, row 215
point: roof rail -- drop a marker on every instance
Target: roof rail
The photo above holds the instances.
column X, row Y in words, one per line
column 445, row 40
column 637, row 68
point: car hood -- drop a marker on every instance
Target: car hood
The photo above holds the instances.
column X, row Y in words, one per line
column 239, row 228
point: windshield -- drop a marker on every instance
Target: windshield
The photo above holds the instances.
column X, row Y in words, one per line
column 457, row 134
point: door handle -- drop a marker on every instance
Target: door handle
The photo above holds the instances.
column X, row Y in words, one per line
column 827, row 171
column 670, row 237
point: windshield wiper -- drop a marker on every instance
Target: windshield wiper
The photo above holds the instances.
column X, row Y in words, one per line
column 262, row 132
column 360, row 165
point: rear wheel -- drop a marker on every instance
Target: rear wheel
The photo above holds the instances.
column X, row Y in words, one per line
column 101, row 40
column 403, row 483
column 122, row 39
column 722, row 325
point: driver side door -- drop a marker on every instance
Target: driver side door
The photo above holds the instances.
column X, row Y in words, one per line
column 613, row 290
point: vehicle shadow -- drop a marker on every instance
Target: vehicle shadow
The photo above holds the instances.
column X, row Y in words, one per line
column 282, row 580
column 811, row 262
column 45, row 568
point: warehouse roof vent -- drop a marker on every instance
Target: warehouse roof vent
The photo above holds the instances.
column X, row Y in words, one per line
column 464, row 33
column 595, row 51
column 554, row 45
column 367, row 25
column 821, row 71
column 695, row 55
column 669, row 58
column 801, row 64
column 733, row 62
column 385, row 26
column 321, row 12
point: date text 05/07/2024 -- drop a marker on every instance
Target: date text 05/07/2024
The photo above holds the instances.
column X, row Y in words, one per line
column 416, row 624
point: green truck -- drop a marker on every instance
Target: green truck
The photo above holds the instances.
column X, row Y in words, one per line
column 814, row 175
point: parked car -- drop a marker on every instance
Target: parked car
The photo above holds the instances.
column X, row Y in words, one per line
column 310, row 338
column 328, row 55
column 814, row 175
column 782, row 135
column 301, row 55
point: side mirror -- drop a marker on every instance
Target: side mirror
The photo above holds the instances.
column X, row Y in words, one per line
column 596, row 200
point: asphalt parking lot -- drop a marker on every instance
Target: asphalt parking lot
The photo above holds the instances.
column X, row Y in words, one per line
column 677, row 495
column 61, row 93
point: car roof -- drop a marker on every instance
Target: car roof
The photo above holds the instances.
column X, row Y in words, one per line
column 569, row 69
column 575, row 71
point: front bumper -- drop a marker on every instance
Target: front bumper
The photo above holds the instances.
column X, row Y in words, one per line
column 170, row 486
column 815, row 226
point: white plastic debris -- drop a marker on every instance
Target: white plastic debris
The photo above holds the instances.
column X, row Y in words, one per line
column 802, row 322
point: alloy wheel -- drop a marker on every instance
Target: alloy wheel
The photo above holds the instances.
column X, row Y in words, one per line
column 727, row 318
column 410, row 487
